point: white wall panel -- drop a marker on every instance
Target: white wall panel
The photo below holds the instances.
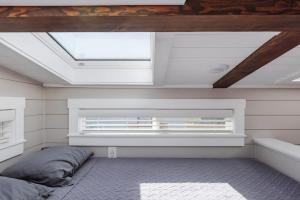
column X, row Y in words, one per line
column 273, row 108
column 34, row 107
column 57, row 121
column 33, row 123
column 273, row 122
column 269, row 112
column 59, row 136
column 57, row 107
column 14, row 85
column 33, row 139
column 18, row 89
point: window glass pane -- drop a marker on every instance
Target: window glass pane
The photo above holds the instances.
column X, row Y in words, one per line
column 5, row 128
column 105, row 46
column 198, row 124
column 191, row 124
column 116, row 123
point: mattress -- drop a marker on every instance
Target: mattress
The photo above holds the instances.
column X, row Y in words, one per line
column 178, row 179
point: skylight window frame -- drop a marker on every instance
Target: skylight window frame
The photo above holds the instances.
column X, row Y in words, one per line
column 152, row 40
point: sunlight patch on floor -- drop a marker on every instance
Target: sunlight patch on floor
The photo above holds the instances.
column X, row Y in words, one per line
column 189, row 191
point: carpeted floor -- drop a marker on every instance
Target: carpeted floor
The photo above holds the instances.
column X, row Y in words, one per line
column 178, row 179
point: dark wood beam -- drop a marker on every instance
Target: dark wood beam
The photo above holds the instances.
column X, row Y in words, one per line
column 268, row 52
column 195, row 15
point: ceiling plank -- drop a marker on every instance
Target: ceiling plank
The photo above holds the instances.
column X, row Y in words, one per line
column 272, row 49
column 195, row 15
column 163, row 47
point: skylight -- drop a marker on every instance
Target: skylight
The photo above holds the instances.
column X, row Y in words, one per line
column 84, row 46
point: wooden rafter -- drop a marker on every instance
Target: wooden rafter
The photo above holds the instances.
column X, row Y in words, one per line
column 268, row 52
column 195, row 15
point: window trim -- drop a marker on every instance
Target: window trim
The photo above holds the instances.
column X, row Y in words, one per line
column 183, row 139
column 15, row 137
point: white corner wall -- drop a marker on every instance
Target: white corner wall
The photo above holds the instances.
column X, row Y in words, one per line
column 14, row 85
column 269, row 113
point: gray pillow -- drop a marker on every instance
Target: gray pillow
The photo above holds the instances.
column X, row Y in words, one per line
column 14, row 189
column 53, row 166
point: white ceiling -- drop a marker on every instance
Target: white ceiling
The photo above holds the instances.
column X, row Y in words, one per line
column 194, row 56
column 279, row 72
column 14, row 61
column 88, row 2
column 41, row 49
column 180, row 60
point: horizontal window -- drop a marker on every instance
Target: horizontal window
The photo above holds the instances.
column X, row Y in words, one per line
column 165, row 120
column 156, row 122
column 6, row 118
column 5, row 130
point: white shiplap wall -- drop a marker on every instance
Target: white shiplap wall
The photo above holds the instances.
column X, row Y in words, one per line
column 269, row 113
column 14, row 85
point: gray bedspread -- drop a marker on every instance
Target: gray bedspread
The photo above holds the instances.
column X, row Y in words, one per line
column 178, row 179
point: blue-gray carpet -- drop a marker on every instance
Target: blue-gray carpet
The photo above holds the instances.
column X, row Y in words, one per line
column 178, row 179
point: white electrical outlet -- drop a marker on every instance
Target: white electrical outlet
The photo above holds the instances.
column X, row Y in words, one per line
column 112, row 152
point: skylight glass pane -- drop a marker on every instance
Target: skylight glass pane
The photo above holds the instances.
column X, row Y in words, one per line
column 105, row 46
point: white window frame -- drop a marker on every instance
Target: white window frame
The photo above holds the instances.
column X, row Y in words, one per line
column 101, row 61
column 56, row 47
column 15, row 138
column 237, row 138
column 41, row 49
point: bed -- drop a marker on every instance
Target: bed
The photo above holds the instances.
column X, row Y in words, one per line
column 178, row 179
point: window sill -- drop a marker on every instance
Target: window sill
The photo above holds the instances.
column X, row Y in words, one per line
column 11, row 150
column 157, row 140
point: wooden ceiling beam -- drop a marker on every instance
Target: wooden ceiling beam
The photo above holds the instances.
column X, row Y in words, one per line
column 274, row 48
column 195, row 15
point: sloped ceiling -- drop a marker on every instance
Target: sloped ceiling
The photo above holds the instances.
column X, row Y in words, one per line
column 15, row 62
column 280, row 72
column 192, row 60
column 196, row 58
